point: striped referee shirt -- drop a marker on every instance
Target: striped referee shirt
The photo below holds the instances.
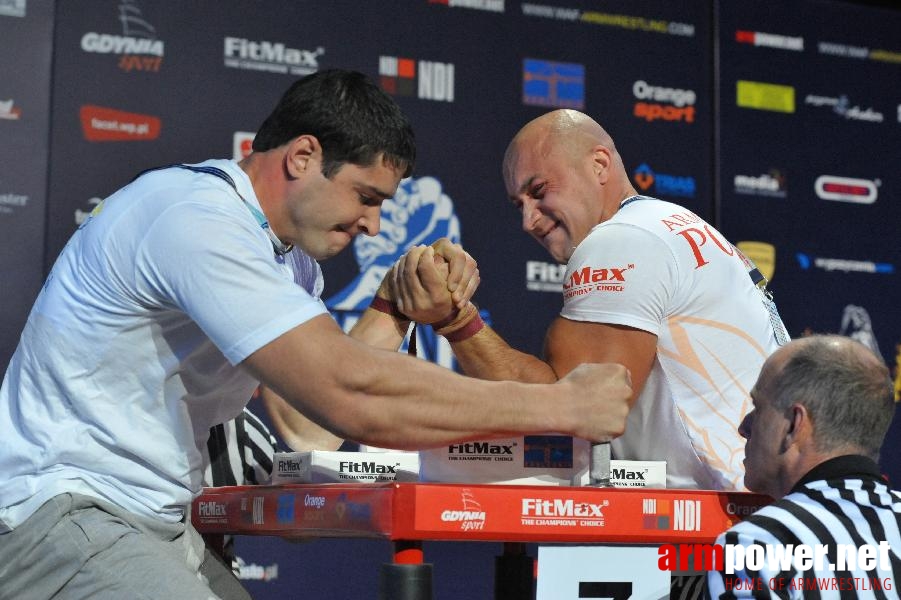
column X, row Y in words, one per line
column 843, row 501
column 240, row 452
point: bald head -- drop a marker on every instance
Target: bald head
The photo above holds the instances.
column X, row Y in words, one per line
column 566, row 130
column 845, row 387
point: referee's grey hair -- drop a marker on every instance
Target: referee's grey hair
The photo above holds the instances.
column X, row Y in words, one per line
column 846, row 389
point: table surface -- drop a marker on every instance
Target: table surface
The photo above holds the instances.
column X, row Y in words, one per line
column 437, row 511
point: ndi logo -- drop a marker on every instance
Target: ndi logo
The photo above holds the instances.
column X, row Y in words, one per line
column 423, row 79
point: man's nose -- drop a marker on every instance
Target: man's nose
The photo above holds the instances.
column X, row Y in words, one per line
column 530, row 215
column 371, row 220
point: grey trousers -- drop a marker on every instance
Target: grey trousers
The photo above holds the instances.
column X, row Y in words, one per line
column 77, row 547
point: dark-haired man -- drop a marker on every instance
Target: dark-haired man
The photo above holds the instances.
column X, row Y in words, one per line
column 180, row 294
column 822, row 407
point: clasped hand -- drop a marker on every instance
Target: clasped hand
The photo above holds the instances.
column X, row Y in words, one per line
column 432, row 283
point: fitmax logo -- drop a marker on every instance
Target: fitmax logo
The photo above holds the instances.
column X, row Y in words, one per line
column 346, row 466
column 480, row 448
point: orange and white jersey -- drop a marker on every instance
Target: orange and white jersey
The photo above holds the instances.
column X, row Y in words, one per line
column 658, row 267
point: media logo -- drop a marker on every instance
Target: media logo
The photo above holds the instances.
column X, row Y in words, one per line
column 255, row 572
column 859, row 52
column 242, row 144
column 544, row 277
column 765, row 96
column 547, row 452
column 9, row 202
column 589, row 280
column 563, row 512
column 284, row 511
column 846, row 189
column 554, row 84
column 357, row 512
column 770, row 40
column 806, row 262
column 771, row 184
column 271, row 57
column 99, row 124
column 422, row 79
column 675, row 515
column 762, row 254
column 489, row 5
column 471, row 517
column 656, row 514
column 12, row 8
column 138, row 48
column 664, row 103
column 857, row 325
column 661, row 183
column 841, row 106
column 212, row 512
column 481, row 451
column 9, row 111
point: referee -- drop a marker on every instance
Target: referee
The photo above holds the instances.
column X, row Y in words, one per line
column 822, row 406
column 240, row 452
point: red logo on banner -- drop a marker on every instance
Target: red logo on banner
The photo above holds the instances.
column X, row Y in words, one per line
column 101, row 124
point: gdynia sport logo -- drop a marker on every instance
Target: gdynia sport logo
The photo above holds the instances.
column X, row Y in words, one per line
column 746, row 564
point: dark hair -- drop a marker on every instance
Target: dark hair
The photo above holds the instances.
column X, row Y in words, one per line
column 846, row 388
column 353, row 120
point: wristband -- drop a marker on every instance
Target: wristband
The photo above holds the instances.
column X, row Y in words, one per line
column 460, row 325
column 386, row 306
column 467, row 331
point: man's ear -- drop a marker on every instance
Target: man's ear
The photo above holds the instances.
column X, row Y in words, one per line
column 800, row 426
column 304, row 152
column 602, row 160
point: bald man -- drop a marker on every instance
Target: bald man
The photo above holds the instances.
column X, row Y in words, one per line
column 649, row 285
column 822, row 406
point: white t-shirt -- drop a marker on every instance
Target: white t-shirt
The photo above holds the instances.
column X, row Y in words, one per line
column 657, row 267
column 130, row 352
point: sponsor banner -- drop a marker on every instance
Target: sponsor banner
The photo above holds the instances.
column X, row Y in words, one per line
column 544, row 276
column 487, row 5
column 553, row 84
column 859, row 52
column 842, row 107
column 255, row 572
column 417, row 511
column 9, row 111
column 770, row 40
column 11, row 202
column 663, row 184
column 318, row 466
column 771, row 184
column 846, row 189
column 567, row 513
column 13, row 8
column 242, row 144
column 765, row 96
column 663, row 103
column 806, row 262
column 136, row 49
column 593, row 17
column 269, row 56
column 423, row 79
column 363, row 510
column 531, row 459
column 101, row 124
